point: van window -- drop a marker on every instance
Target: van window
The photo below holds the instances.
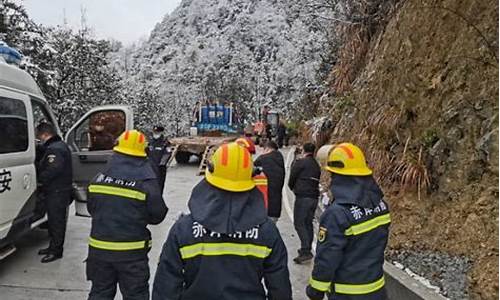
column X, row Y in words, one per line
column 99, row 131
column 14, row 126
column 40, row 114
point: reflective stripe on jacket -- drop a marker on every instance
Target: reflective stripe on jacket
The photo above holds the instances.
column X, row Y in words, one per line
column 350, row 253
column 227, row 248
column 261, row 184
column 199, row 264
column 122, row 208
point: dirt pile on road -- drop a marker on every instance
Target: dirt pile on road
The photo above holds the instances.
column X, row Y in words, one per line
column 424, row 108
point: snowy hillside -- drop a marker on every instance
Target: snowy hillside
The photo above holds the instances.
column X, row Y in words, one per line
column 251, row 52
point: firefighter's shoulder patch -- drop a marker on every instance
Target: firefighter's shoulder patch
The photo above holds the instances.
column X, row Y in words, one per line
column 51, row 158
column 322, row 234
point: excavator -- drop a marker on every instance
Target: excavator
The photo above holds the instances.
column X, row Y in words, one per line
column 267, row 126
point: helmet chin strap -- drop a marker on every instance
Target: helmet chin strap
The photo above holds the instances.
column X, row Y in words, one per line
column 210, row 167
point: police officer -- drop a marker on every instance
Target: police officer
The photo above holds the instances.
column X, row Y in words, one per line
column 159, row 154
column 353, row 232
column 123, row 200
column 55, row 178
column 227, row 245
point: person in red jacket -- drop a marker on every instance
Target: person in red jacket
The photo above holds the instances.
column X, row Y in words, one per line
column 260, row 180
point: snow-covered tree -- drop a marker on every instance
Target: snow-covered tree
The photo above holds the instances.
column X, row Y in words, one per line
column 71, row 67
column 250, row 53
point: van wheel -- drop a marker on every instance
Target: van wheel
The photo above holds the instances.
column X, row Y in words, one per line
column 182, row 157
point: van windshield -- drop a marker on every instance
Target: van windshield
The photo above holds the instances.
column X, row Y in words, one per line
column 14, row 126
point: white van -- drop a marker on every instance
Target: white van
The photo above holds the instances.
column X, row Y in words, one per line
column 22, row 108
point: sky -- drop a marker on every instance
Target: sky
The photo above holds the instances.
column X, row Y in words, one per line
column 123, row 20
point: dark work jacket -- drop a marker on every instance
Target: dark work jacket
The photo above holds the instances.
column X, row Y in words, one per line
column 304, row 178
column 156, row 150
column 55, row 171
column 116, row 218
column 353, row 235
column 274, row 168
column 281, row 131
column 198, row 260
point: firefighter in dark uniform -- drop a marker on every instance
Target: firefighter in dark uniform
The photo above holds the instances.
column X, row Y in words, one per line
column 226, row 248
column 122, row 201
column 353, row 232
column 159, row 154
column 55, row 178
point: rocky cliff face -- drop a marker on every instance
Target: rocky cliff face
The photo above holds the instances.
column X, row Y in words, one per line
column 425, row 109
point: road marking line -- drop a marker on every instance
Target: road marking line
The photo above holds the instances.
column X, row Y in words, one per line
column 286, row 201
column 288, row 208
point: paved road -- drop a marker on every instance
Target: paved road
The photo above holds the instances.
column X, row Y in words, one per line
column 23, row 277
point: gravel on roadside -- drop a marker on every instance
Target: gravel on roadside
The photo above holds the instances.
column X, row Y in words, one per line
column 447, row 272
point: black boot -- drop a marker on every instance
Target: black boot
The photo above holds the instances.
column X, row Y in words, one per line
column 302, row 258
column 51, row 257
column 44, row 251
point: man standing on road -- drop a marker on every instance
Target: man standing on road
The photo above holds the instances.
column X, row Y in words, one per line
column 281, row 134
column 55, row 177
column 159, row 155
column 123, row 200
column 353, row 232
column 273, row 165
column 226, row 246
column 304, row 182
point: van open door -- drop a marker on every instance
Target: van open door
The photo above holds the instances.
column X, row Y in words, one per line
column 91, row 141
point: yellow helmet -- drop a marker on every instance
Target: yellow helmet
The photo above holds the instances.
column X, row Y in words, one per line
column 132, row 142
column 347, row 159
column 230, row 168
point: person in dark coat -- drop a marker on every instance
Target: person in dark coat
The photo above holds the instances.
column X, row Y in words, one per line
column 281, row 134
column 226, row 248
column 273, row 165
column 353, row 233
column 123, row 199
column 55, row 177
column 159, row 154
column 101, row 139
column 304, row 182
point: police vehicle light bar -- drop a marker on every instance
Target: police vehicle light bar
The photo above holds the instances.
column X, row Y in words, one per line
column 9, row 54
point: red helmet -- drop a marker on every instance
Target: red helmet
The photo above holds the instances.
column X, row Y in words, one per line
column 247, row 143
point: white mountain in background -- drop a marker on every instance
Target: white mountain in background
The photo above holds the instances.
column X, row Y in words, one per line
column 251, row 52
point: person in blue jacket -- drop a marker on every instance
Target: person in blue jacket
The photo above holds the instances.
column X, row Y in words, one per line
column 353, row 233
column 227, row 247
